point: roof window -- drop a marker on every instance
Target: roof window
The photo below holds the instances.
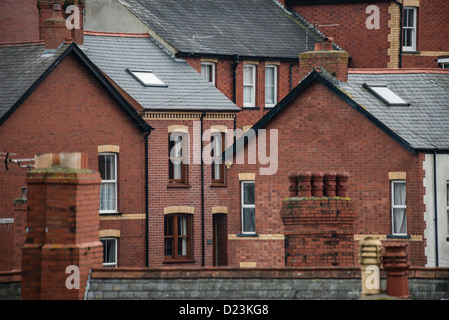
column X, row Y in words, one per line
column 147, row 78
column 382, row 92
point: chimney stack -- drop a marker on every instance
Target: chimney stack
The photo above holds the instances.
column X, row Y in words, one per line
column 52, row 23
column 325, row 59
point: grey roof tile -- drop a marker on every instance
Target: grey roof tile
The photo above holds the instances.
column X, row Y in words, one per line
column 20, row 67
column 425, row 123
column 186, row 89
column 250, row 28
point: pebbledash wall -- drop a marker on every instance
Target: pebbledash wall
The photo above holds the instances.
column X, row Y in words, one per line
column 341, row 283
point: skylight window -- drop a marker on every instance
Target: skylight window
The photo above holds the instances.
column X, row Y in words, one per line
column 147, row 78
column 386, row 95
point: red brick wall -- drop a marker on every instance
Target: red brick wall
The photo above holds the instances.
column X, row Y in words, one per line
column 70, row 110
column 288, row 73
column 162, row 195
column 367, row 48
column 431, row 35
column 19, row 21
column 313, row 135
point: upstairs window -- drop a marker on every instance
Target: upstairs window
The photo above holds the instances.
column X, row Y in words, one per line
column 270, row 86
column 208, row 71
column 409, row 29
column 217, row 162
column 107, row 166
column 177, row 165
column 249, row 85
column 399, row 207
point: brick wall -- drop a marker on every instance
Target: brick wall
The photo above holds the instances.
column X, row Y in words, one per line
column 313, row 133
column 288, row 77
column 70, row 110
column 19, row 21
column 319, row 232
column 346, row 23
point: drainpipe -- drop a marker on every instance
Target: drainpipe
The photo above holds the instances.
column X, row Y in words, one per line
column 147, row 222
column 202, row 196
column 436, row 206
column 235, row 63
column 400, row 32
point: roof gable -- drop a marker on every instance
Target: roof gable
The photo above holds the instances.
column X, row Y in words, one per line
column 36, row 69
column 301, row 87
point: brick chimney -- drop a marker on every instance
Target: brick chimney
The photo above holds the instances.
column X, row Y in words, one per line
column 62, row 228
column 52, row 23
column 325, row 59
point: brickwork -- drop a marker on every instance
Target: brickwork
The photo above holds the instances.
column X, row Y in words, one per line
column 62, row 224
column 288, row 77
column 319, row 232
column 19, row 21
column 313, row 135
column 81, row 116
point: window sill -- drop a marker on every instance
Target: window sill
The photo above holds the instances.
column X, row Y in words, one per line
column 111, row 213
column 218, row 185
column 251, row 108
column 178, row 185
column 247, row 235
column 171, row 260
column 404, row 51
column 396, row 236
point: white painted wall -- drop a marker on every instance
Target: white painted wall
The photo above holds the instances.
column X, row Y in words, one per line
column 111, row 16
column 442, row 174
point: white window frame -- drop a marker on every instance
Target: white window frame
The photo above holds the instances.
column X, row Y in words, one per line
column 413, row 28
column 114, row 182
column 249, row 206
column 252, row 102
column 212, row 70
column 113, row 263
column 447, row 208
column 271, row 86
column 395, row 206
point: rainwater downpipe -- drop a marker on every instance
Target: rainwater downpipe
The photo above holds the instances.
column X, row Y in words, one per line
column 147, row 220
column 235, row 63
column 202, row 196
column 401, row 8
column 435, row 201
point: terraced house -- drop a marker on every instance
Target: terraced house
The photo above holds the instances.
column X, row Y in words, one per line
column 156, row 99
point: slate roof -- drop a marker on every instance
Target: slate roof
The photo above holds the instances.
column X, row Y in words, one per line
column 250, row 28
column 422, row 126
column 20, row 67
column 425, row 123
column 186, row 89
column 24, row 67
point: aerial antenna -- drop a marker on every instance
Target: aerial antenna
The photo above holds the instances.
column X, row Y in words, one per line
column 19, row 162
column 313, row 26
column 195, row 40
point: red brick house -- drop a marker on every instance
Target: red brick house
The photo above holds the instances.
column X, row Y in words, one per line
column 381, row 127
column 89, row 98
column 247, row 49
column 407, row 33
